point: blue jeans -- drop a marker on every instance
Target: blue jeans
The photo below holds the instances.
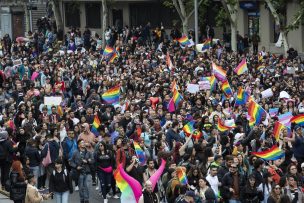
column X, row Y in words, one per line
column 105, row 182
column 234, row 201
column 62, row 197
column 35, row 170
column 83, row 187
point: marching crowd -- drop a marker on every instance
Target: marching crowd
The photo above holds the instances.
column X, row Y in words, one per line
column 53, row 149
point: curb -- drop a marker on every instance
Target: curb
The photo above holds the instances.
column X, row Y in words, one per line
column 4, row 192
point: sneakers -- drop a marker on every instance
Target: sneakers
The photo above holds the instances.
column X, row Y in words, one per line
column 105, row 200
column 76, row 188
column 108, row 196
column 116, row 196
column 97, row 188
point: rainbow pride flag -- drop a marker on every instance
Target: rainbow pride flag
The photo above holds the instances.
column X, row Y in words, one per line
column 278, row 127
column 177, row 97
column 271, row 154
column 219, row 72
column 189, row 129
column 222, row 127
column 181, row 174
column 212, row 80
column 108, row 50
column 184, row 41
column 261, row 67
column 112, row 95
column 256, row 112
column 95, row 125
column 130, row 188
column 299, row 120
column 169, row 62
column 227, row 89
column 140, row 154
column 241, row 68
column 113, row 57
column 206, row 45
column 241, row 97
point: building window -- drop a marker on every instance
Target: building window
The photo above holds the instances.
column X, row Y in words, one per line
column 253, row 23
column 72, row 15
column 93, row 16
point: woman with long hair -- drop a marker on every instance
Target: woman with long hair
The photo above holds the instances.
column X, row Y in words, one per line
column 266, row 186
column 17, row 183
column 275, row 194
column 194, row 175
column 204, row 191
column 104, row 161
column 250, row 194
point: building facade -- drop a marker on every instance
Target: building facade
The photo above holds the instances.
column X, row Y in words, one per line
column 19, row 16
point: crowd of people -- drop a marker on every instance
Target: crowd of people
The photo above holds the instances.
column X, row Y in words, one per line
column 42, row 144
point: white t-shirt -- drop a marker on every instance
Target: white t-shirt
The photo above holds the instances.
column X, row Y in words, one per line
column 214, row 183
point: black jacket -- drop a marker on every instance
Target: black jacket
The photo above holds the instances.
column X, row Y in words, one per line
column 18, row 188
column 60, row 182
column 251, row 195
column 34, row 156
column 227, row 182
column 54, row 150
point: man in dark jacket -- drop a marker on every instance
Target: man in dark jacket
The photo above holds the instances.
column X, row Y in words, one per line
column 232, row 184
column 6, row 152
column 172, row 134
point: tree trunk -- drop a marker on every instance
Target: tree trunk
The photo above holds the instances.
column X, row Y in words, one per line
column 233, row 39
column 27, row 19
column 283, row 33
column 104, row 21
column 185, row 26
column 57, row 14
column 285, row 42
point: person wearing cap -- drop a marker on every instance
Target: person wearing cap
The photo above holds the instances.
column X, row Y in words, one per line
column 232, row 183
column 60, row 183
column 32, row 193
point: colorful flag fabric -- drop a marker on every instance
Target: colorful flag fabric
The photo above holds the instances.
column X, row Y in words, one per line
column 241, row 68
column 130, row 188
column 177, row 98
column 222, row 127
column 174, row 86
column 256, row 112
column 184, row 41
column 59, row 110
column 285, row 118
column 108, row 50
column 96, row 124
column 278, row 127
column 241, row 97
column 226, row 89
column 171, row 106
column 219, row 72
column 169, row 62
column 140, row 154
column 212, row 80
column 260, row 57
column 206, row 45
column 299, row 120
column 271, row 154
column 113, row 57
column 181, row 174
column 112, row 95
column 261, row 67
column 189, row 128
column 273, row 112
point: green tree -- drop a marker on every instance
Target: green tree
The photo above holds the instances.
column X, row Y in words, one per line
column 278, row 11
column 185, row 9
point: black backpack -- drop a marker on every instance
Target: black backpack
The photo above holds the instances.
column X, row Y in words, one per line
column 3, row 151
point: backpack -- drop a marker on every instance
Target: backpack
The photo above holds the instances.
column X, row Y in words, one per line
column 3, row 151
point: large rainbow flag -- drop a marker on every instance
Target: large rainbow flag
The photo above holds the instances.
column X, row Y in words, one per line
column 271, row 154
column 255, row 111
column 112, row 95
column 241, row 97
column 95, row 125
column 184, row 41
column 219, row 72
column 241, row 68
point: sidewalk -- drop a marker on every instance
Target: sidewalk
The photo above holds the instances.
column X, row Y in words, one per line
column 5, row 199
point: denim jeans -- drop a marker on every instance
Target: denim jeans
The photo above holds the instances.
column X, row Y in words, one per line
column 105, row 182
column 62, row 197
column 234, row 201
column 83, row 187
column 35, row 171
